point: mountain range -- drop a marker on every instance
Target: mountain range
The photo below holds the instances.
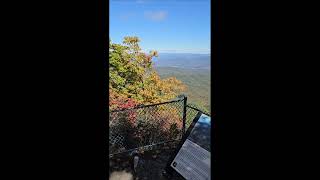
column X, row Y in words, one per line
column 183, row 60
column 193, row 70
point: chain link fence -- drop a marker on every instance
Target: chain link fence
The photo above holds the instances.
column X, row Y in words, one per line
column 148, row 126
column 191, row 112
column 145, row 126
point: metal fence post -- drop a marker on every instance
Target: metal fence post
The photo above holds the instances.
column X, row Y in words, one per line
column 184, row 114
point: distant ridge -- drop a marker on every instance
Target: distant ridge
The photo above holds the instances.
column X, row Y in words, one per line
column 163, row 53
column 183, row 60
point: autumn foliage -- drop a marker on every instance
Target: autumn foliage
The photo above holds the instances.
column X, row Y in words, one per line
column 133, row 80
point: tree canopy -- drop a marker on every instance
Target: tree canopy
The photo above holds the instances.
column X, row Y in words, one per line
column 133, row 79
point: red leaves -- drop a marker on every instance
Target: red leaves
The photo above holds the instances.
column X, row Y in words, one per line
column 128, row 104
column 125, row 104
column 122, row 103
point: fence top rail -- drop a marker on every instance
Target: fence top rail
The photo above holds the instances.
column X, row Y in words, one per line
column 143, row 106
column 206, row 113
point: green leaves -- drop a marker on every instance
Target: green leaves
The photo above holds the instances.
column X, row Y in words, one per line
column 132, row 76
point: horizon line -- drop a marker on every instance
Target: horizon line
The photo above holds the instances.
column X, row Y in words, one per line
column 189, row 51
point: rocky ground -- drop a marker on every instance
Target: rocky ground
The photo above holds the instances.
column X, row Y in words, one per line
column 151, row 163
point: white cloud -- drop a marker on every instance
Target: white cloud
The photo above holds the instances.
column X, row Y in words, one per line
column 156, row 15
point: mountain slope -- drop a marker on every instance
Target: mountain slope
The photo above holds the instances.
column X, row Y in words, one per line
column 197, row 80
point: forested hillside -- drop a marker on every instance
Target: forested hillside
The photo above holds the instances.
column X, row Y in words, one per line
column 140, row 78
column 196, row 80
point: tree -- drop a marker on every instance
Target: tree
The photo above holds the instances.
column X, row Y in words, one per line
column 134, row 80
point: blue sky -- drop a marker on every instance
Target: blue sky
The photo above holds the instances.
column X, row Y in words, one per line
column 181, row 26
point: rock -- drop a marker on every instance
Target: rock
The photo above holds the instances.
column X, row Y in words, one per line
column 121, row 176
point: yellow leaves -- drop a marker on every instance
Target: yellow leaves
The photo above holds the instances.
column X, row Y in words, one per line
column 154, row 53
column 131, row 40
column 157, row 90
column 133, row 76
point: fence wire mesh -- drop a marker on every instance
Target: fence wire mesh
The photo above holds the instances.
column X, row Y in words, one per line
column 192, row 111
column 145, row 126
column 150, row 125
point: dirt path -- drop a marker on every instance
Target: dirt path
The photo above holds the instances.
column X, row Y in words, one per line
column 151, row 164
